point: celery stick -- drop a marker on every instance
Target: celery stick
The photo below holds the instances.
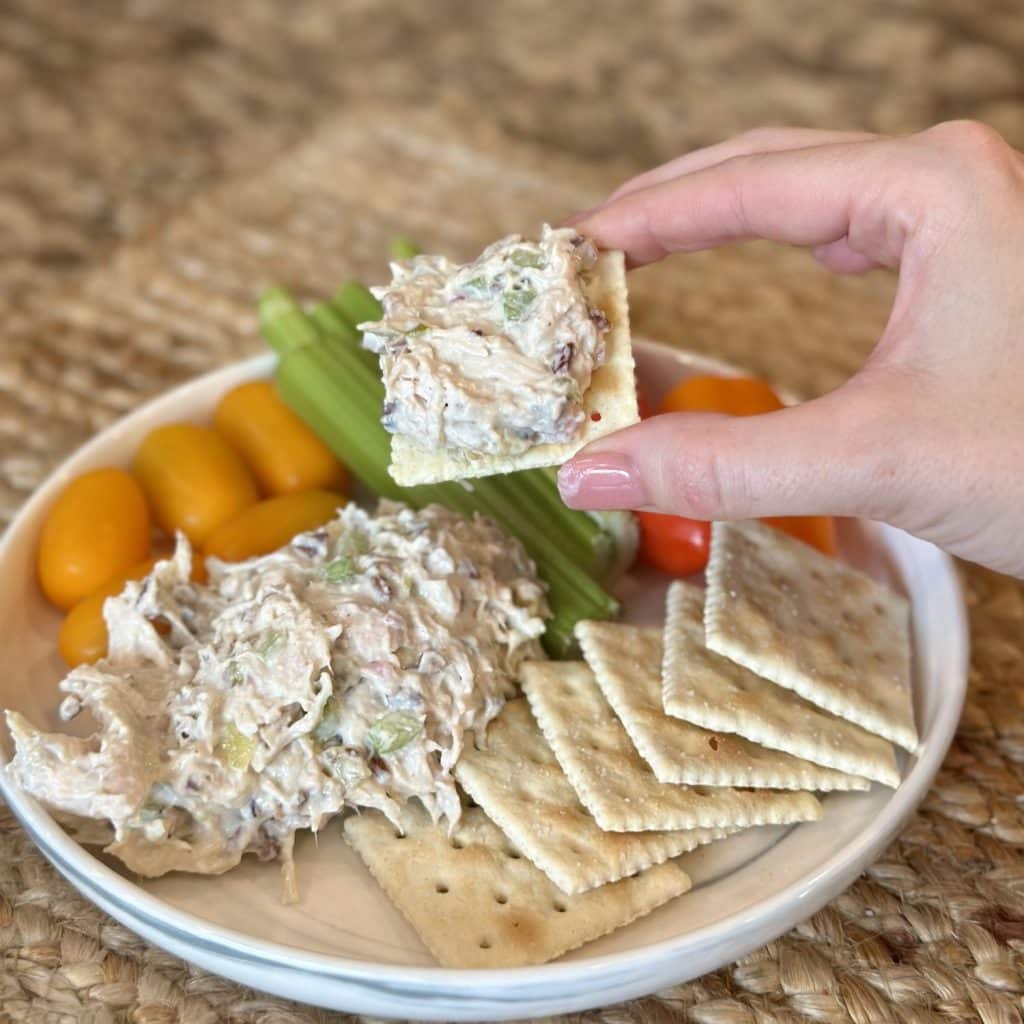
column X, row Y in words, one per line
column 403, row 248
column 329, row 320
column 356, row 303
column 334, row 325
column 578, row 535
column 283, row 323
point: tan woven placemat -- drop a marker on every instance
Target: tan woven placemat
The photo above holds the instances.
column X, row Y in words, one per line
column 934, row 931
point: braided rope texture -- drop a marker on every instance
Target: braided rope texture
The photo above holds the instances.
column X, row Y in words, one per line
column 144, row 203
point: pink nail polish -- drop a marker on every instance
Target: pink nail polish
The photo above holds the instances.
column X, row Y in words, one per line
column 600, row 481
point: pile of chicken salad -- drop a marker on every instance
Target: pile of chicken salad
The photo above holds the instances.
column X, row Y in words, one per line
column 492, row 355
column 343, row 670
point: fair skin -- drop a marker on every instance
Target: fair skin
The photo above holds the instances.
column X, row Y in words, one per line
column 929, row 434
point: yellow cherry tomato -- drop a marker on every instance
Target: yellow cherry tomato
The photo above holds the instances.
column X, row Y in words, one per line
column 270, row 524
column 83, row 633
column 193, row 478
column 283, row 454
column 98, row 527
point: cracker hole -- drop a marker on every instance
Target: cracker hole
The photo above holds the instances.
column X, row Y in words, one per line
column 713, row 742
column 457, row 844
column 485, row 943
column 399, row 835
column 559, row 906
column 514, row 855
column 878, row 656
column 500, row 898
column 441, row 888
column 877, row 608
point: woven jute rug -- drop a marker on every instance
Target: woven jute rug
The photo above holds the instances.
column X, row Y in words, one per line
column 933, row 931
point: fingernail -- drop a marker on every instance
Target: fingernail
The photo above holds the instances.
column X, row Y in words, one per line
column 601, row 481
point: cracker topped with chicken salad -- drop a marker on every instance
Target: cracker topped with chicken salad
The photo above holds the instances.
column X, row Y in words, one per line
column 514, row 360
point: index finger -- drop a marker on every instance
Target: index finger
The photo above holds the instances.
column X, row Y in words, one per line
column 802, row 197
column 758, row 140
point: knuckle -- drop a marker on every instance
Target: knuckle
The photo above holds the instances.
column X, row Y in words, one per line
column 959, row 167
column 884, row 493
column 703, row 480
column 972, row 149
column 875, row 422
column 971, row 137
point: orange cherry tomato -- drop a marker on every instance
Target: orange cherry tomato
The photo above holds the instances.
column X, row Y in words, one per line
column 98, row 527
column 674, row 544
column 737, row 396
column 283, row 453
column 194, row 479
column 818, row 531
column 267, row 525
column 83, row 633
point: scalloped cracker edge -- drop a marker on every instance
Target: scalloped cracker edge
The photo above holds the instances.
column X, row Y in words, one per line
column 520, row 786
column 626, row 661
column 812, row 625
column 611, row 396
column 474, row 902
column 705, row 689
column 616, row 784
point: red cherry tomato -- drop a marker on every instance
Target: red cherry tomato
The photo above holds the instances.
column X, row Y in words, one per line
column 673, row 544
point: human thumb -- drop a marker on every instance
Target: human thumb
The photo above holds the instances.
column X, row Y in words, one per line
column 829, row 456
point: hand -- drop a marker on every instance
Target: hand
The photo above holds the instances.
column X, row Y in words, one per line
column 929, row 434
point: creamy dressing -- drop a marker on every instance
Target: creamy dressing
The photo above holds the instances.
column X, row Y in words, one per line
column 493, row 355
column 343, row 670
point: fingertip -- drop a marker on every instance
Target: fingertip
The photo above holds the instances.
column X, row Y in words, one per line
column 601, row 480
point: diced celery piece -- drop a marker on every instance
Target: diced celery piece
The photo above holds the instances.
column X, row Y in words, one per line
column 271, row 643
column 341, row 569
column 516, row 301
column 236, row 748
column 393, row 731
column 526, row 258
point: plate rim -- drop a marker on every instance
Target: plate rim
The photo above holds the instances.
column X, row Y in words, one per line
column 768, row 917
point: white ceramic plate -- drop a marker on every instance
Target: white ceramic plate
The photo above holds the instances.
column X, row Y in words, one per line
column 344, row 946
